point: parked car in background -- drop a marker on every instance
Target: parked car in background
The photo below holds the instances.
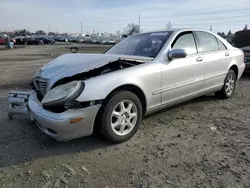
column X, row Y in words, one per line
column 72, row 39
column 94, row 41
column 80, row 40
column 106, row 41
column 111, row 92
column 31, row 40
column 60, row 39
column 46, row 40
column 18, row 41
column 102, row 41
column 2, row 40
column 111, row 41
column 246, row 51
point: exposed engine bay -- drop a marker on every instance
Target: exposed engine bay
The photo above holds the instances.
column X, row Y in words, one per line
column 110, row 67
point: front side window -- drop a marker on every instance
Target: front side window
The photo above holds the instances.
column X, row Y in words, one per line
column 185, row 41
column 207, row 42
column 148, row 44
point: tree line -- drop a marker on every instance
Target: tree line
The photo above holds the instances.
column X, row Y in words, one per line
column 242, row 38
column 24, row 32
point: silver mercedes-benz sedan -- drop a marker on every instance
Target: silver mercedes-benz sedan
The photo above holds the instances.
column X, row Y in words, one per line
column 75, row 94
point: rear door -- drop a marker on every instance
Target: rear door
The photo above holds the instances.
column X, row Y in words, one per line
column 216, row 59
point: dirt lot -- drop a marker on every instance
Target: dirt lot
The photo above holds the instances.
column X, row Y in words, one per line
column 202, row 143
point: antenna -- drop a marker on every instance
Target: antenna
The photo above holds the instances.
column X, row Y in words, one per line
column 81, row 28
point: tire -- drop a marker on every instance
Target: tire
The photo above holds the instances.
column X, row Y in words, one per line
column 127, row 120
column 73, row 50
column 228, row 87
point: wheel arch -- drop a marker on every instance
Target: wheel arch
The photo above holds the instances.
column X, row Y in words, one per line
column 134, row 89
column 235, row 69
column 126, row 87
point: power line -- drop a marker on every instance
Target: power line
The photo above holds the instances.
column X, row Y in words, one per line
column 194, row 21
column 178, row 14
column 183, row 10
column 150, row 23
column 183, row 17
column 174, row 24
column 198, row 19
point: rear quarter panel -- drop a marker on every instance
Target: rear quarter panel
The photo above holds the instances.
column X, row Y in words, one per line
column 237, row 59
column 236, row 54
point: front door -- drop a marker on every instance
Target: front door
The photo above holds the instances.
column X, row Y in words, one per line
column 183, row 77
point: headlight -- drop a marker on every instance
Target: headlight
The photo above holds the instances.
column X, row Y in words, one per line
column 63, row 93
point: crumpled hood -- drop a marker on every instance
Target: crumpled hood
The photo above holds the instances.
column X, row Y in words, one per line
column 70, row 64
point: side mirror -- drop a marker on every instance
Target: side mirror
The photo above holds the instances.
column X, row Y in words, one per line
column 177, row 53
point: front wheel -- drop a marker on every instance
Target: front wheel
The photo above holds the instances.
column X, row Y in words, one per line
column 228, row 87
column 121, row 116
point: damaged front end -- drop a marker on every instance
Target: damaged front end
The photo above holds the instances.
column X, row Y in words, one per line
column 17, row 103
column 53, row 103
column 62, row 126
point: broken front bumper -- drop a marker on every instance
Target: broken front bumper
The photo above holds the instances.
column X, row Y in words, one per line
column 56, row 125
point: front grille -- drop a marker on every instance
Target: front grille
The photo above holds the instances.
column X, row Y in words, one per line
column 41, row 85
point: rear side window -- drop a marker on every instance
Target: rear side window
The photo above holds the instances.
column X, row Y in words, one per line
column 221, row 45
column 185, row 41
column 207, row 42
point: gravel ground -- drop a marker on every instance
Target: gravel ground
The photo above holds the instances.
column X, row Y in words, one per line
column 202, row 143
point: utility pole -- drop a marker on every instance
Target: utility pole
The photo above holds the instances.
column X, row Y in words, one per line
column 169, row 25
column 81, row 29
column 211, row 27
column 139, row 23
column 49, row 27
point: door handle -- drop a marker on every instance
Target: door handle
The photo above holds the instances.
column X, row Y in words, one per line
column 199, row 59
column 227, row 54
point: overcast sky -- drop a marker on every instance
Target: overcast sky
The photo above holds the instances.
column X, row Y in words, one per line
column 113, row 15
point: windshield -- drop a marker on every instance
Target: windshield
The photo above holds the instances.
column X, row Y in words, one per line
column 148, row 44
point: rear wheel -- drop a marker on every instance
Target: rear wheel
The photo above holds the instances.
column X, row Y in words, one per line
column 228, row 87
column 121, row 116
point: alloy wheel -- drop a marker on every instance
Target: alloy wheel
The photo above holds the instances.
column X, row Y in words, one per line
column 230, row 84
column 124, row 117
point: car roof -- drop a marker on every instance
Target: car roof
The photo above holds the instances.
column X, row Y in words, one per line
column 175, row 30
